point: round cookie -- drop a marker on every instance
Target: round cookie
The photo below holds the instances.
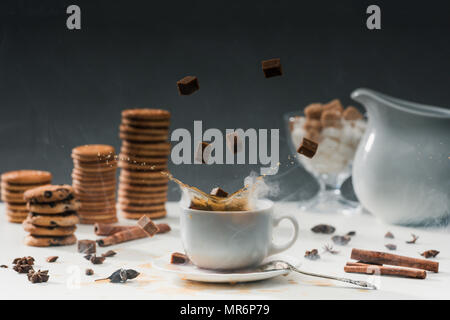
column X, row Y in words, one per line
column 143, row 137
column 93, row 183
column 8, row 196
column 93, row 152
column 144, row 195
column 146, row 114
column 16, row 216
column 27, row 177
column 48, row 231
column 16, row 206
column 94, row 190
column 102, row 220
column 54, row 207
column 49, row 193
column 144, row 201
column 61, row 220
column 138, row 215
column 98, row 204
column 142, row 160
column 142, row 208
column 37, row 241
column 141, row 123
column 95, row 169
column 145, row 131
column 143, row 167
column 19, row 187
column 103, row 212
column 105, row 198
column 138, row 152
column 149, row 146
column 143, row 189
column 132, row 174
column 87, row 178
column 140, row 181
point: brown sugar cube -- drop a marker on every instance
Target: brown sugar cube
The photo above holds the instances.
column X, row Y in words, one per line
column 313, row 111
column 179, row 258
column 308, row 148
column 188, row 85
column 86, row 246
column 312, row 124
column 272, row 67
column 203, row 152
column 149, row 227
column 218, row 192
column 331, row 118
column 234, row 143
column 333, row 104
column 351, row 113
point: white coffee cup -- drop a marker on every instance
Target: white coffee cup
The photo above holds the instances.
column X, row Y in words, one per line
column 231, row 239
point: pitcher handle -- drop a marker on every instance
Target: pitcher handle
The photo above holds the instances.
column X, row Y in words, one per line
column 279, row 248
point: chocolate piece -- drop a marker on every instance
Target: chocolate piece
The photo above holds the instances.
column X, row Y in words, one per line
column 89, row 272
column 234, row 143
column 323, row 228
column 200, row 154
column 148, row 226
column 52, row 259
column 312, row 255
column 351, row 113
column 351, row 233
column 188, row 85
column 429, row 253
column 97, row 260
column 87, row 246
column 88, row 256
column 109, row 253
column 38, row 276
column 391, row 246
column 313, row 111
column 272, row 67
column 389, row 235
column 3, row 266
column 341, row 240
column 308, row 148
column 218, row 192
column 179, row 258
column 163, row 227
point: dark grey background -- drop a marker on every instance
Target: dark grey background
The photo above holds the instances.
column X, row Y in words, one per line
column 61, row 88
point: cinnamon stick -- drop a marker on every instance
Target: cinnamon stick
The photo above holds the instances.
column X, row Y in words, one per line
column 393, row 259
column 383, row 270
column 129, row 233
column 360, row 263
column 105, row 229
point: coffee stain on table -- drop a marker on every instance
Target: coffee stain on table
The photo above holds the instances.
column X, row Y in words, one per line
column 145, row 265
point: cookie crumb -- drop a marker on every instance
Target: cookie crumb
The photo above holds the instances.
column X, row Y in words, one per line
column 89, row 272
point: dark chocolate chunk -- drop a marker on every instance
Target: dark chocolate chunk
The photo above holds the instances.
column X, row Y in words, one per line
column 88, row 256
column 86, row 246
column 3, row 266
column 351, row 233
column 272, row 67
column 341, row 240
column 149, row 227
column 48, row 194
column 429, row 253
column 391, row 246
column 308, row 148
column 187, row 85
column 52, row 259
column 312, row 255
column 109, row 253
column 179, row 258
column 323, row 228
column 218, row 192
column 97, row 260
column 89, row 272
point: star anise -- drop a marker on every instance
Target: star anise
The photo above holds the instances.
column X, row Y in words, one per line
column 38, row 276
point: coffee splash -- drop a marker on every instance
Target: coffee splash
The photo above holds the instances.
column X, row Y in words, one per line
column 242, row 200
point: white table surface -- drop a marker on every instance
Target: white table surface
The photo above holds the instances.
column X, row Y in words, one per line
column 68, row 281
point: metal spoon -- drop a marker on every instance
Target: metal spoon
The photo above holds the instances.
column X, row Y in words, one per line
column 283, row 265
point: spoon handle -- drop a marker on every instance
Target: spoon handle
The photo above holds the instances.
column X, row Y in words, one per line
column 363, row 284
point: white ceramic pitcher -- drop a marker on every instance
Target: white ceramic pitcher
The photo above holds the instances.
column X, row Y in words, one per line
column 401, row 171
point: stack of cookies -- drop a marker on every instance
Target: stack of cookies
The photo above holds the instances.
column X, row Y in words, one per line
column 53, row 216
column 94, row 182
column 14, row 184
column 143, row 157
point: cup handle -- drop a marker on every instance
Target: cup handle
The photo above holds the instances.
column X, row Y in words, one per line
column 278, row 248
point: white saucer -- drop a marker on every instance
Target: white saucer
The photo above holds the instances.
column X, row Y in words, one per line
column 191, row 272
